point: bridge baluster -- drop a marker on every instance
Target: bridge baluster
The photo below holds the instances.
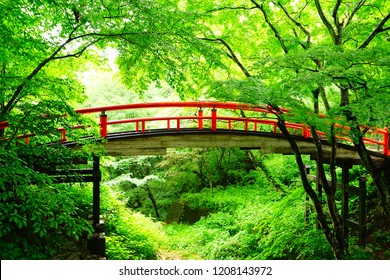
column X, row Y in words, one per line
column 386, row 142
column 213, row 119
column 103, row 124
column 200, row 120
column 63, row 135
column 305, row 131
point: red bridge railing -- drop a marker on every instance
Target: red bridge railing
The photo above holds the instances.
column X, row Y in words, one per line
column 264, row 117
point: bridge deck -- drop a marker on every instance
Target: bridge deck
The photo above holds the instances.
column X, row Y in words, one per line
column 156, row 142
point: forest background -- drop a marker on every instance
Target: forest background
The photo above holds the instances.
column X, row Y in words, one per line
column 328, row 57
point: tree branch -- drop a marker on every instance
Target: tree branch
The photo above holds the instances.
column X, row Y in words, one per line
column 231, row 55
column 13, row 100
column 276, row 32
column 376, row 31
column 357, row 8
column 79, row 53
column 326, row 22
column 230, row 8
column 299, row 25
column 335, row 13
column 19, row 89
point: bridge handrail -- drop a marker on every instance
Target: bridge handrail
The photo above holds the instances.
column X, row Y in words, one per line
column 173, row 104
column 200, row 105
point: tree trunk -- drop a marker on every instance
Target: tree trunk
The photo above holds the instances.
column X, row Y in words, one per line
column 377, row 175
column 333, row 239
column 330, row 189
column 153, row 200
column 259, row 163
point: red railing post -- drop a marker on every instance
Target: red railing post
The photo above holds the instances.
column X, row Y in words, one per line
column 63, row 135
column 305, row 131
column 136, row 126
column 169, row 124
column 246, row 124
column 178, row 124
column 26, row 140
column 143, row 127
column 229, row 124
column 386, row 142
column 200, row 120
column 103, row 124
column 214, row 119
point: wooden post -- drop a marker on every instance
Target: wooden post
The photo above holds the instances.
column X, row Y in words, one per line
column 103, row 124
column 96, row 243
column 213, row 119
column 307, row 199
column 345, row 199
column 63, row 135
column 386, row 142
column 362, row 211
column 319, row 190
column 178, row 124
column 318, row 184
column 200, row 120
column 305, row 131
column 96, row 190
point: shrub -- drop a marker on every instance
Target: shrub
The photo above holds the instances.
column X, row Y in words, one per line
column 129, row 235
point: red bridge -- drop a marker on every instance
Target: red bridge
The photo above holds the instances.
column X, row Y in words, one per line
column 209, row 124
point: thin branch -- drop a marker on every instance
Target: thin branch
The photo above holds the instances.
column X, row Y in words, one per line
column 376, row 31
column 299, row 25
column 335, row 13
column 357, row 8
column 276, row 32
column 79, row 53
column 19, row 89
column 326, row 22
column 231, row 8
column 53, row 56
column 231, row 55
column 104, row 5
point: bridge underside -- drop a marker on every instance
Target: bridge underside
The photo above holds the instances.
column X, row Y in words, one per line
column 156, row 142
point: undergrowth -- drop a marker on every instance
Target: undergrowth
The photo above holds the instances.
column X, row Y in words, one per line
column 250, row 222
column 129, row 235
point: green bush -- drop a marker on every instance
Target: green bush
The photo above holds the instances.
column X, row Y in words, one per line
column 251, row 222
column 129, row 235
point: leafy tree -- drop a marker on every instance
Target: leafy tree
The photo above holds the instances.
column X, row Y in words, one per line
column 43, row 44
column 311, row 57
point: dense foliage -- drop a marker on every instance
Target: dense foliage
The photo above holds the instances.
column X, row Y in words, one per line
column 327, row 61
